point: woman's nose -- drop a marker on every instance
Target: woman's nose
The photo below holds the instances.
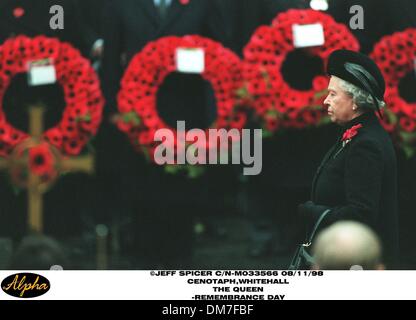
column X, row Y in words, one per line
column 326, row 101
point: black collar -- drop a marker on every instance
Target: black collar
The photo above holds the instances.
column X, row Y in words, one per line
column 365, row 118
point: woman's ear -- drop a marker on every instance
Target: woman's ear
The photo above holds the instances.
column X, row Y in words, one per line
column 354, row 107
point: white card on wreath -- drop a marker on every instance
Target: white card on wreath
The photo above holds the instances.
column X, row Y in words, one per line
column 308, row 35
column 190, row 60
column 41, row 72
column 321, row 5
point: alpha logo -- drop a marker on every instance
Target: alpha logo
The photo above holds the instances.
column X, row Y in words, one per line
column 25, row 285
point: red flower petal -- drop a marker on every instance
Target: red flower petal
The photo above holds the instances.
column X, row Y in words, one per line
column 149, row 68
column 18, row 12
column 41, row 160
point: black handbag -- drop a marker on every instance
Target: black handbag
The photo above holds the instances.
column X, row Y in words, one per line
column 302, row 260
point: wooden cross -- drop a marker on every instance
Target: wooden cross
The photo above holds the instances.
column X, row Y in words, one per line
column 35, row 187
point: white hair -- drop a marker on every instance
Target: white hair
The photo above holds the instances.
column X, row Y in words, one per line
column 362, row 98
column 345, row 244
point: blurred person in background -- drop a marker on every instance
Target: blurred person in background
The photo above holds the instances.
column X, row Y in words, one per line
column 38, row 252
column 270, row 199
column 70, row 195
column 162, row 206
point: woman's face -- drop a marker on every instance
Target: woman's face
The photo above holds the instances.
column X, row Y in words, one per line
column 340, row 104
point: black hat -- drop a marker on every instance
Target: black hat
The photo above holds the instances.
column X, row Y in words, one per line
column 358, row 69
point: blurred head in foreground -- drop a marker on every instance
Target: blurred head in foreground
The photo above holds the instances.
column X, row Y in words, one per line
column 347, row 245
column 38, row 252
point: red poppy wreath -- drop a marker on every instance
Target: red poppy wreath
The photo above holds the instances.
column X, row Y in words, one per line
column 139, row 117
column 396, row 56
column 275, row 101
column 84, row 101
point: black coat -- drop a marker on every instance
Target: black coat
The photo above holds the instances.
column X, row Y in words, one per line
column 245, row 16
column 91, row 15
column 381, row 18
column 36, row 21
column 358, row 182
column 129, row 25
column 64, row 203
column 160, row 203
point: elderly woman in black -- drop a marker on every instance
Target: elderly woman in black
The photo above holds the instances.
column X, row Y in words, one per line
column 357, row 178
